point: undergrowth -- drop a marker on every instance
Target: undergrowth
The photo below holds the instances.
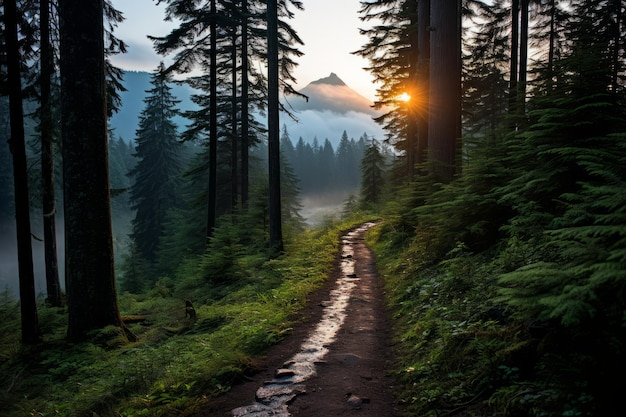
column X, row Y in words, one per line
column 462, row 351
column 178, row 363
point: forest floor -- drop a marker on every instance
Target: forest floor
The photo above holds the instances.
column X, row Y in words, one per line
column 352, row 378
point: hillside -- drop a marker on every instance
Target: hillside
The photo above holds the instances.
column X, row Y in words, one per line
column 332, row 108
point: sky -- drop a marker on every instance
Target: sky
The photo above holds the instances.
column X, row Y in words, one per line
column 328, row 28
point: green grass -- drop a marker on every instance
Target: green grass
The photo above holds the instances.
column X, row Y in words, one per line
column 176, row 364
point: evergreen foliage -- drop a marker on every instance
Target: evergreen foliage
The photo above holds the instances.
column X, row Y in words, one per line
column 372, row 175
column 507, row 284
column 156, row 175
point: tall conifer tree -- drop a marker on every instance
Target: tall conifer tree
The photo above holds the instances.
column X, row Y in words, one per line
column 154, row 191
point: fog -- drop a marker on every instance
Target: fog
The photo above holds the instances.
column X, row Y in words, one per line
column 9, row 272
column 330, row 125
column 317, row 209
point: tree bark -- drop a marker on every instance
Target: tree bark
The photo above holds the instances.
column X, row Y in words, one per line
column 53, row 284
column 445, row 88
column 234, row 157
column 423, row 61
column 31, row 333
column 523, row 59
column 90, row 277
column 245, row 86
column 411, row 89
column 514, row 65
column 617, row 47
column 275, row 221
column 212, row 186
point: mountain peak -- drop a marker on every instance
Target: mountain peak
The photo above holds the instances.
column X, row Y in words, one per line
column 332, row 79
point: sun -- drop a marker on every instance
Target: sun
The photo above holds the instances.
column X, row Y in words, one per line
column 405, row 97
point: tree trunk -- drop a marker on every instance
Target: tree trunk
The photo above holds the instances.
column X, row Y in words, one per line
column 423, row 60
column 245, row 85
column 31, row 333
column 445, row 88
column 212, row 186
column 411, row 89
column 53, row 284
column 552, row 42
column 523, row 59
column 234, row 157
column 90, row 277
column 275, row 222
column 617, row 47
column 513, row 69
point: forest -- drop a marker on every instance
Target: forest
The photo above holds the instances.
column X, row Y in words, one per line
column 498, row 194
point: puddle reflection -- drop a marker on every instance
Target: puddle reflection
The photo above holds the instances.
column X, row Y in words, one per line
column 274, row 397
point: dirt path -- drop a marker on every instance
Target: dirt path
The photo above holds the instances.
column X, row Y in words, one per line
column 348, row 374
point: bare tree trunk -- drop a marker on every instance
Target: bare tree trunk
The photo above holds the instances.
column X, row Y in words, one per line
column 513, row 69
column 31, row 333
column 445, row 88
column 90, row 276
column 423, row 61
column 523, row 59
column 275, row 222
column 552, row 40
column 53, row 284
column 245, row 84
column 618, row 41
column 234, row 157
column 413, row 85
column 212, row 186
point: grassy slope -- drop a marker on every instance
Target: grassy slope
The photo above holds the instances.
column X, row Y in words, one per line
column 177, row 362
column 462, row 354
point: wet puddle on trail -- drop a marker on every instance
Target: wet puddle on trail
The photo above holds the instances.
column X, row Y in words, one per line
column 273, row 398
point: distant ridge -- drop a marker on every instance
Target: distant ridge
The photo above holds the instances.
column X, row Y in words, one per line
column 332, row 94
column 327, row 94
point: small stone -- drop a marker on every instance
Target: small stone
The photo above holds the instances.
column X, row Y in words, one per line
column 284, row 373
column 354, row 401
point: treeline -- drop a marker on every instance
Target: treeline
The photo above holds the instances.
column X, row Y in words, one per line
column 59, row 60
column 322, row 169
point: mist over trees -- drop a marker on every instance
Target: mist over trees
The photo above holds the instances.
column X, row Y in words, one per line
column 500, row 184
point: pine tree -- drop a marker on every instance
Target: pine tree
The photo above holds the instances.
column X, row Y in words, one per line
column 158, row 154
column 326, row 166
column 392, row 52
column 372, row 175
column 347, row 164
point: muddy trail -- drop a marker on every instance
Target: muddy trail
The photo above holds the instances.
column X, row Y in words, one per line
column 335, row 361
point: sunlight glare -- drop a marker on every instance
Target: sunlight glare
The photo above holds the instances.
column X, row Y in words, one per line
column 405, row 97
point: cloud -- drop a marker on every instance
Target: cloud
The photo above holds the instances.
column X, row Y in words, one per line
column 330, row 125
